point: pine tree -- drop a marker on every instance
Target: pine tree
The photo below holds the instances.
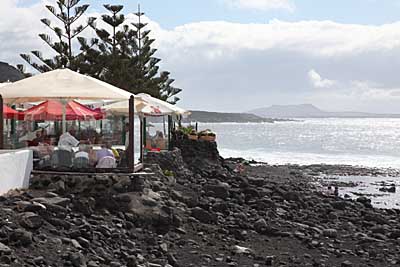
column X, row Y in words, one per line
column 148, row 78
column 22, row 69
column 68, row 12
column 108, row 56
column 123, row 56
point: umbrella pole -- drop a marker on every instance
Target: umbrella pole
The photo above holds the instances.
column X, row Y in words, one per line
column 144, row 133
column 1, row 124
column 64, row 116
column 163, row 120
column 169, row 132
column 141, row 139
column 13, row 124
column 123, row 137
column 131, row 150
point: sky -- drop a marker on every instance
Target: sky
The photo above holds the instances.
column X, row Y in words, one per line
column 237, row 55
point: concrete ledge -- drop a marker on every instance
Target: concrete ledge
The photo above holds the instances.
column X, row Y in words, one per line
column 15, row 169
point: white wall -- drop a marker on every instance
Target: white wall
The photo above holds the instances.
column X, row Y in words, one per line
column 15, row 169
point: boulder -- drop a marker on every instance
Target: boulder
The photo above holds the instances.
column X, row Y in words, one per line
column 203, row 216
column 220, row 190
column 4, row 250
column 59, row 201
column 260, row 225
column 30, row 220
column 331, row 233
column 21, row 237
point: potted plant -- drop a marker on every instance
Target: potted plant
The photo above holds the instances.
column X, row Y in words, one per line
column 211, row 136
column 193, row 135
column 203, row 135
column 207, row 135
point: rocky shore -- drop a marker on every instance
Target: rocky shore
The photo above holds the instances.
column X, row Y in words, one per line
column 193, row 209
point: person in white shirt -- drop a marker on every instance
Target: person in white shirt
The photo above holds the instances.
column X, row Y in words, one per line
column 67, row 140
column 83, row 152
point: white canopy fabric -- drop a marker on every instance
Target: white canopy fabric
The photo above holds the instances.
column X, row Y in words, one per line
column 4, row 84
column 121, row 108
column 150, row 106
column 154, row 107
column 60, row 84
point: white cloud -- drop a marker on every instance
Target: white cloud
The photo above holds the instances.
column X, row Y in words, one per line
column 262, row 4
column 367, row 90
column 218, row 62
column 319, row 38
column 317, row 81
column 358, row 96
column 19, row 27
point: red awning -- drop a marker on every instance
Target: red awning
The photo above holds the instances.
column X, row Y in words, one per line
column 52, row 110
column 9, row 113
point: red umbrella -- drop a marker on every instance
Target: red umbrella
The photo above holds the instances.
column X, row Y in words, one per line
column 52, row 110
column 9, row 113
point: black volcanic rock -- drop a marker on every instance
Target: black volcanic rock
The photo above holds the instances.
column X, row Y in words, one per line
column 215, row 117
column 199, row 214
column 9, row 74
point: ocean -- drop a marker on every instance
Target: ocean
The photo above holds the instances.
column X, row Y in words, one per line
column 369, row 142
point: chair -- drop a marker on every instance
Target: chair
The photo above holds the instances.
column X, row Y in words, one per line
column 61, row 158
column 36, row 158
column 107, row 163
column 81, row 162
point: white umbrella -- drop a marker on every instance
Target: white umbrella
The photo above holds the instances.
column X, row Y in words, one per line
column 156, row 107
column 149, row 106
column 62, row 85
column 122, row 107
column 4, row 84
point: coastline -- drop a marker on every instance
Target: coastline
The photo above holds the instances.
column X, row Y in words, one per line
column 204, row 215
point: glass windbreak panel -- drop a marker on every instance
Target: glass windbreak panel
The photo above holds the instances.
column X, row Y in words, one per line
column 155, row 134
column 85, row 144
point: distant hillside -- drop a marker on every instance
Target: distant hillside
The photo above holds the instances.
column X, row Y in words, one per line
column 205, row 116
column 311, row 111
column 9, row 73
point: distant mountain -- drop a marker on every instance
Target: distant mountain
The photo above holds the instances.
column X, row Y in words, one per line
column 311, row 111
column 9, row 74
column 216, row 117
column 205, row 116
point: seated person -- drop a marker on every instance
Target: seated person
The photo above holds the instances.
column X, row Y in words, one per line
column 67, row 140
column 98, row 139
column 83, row 152
column 44, row 138
column 113, row 150
column 104, row 152
column 82, row 159
column 105, row 157
column 159, row 141
column 37, row 139
column 45, row 149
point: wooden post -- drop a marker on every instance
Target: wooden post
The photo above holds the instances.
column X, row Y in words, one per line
column 1, row 123
column 169, row 132
column 123, row 137
column 13, row 124
column 142, row 124
column 131, row 148
column 144, row 136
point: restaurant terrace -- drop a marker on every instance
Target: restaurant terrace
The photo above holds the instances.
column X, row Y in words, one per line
column 73, row 122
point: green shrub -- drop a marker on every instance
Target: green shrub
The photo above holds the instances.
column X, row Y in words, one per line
column 168, row 173
column 187, row 130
